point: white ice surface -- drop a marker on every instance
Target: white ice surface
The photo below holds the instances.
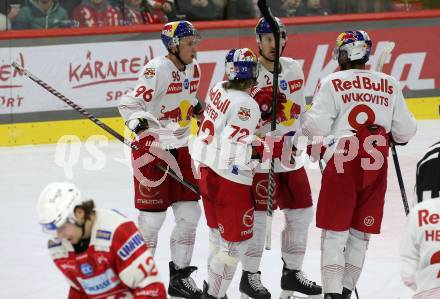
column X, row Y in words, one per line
column 26, row 270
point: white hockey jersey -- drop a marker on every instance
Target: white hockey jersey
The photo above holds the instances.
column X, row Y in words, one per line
column 291, row 84
column 224, row 140
column 117, row 263
column 420, row 250
column 166, row 97
column 347, row 99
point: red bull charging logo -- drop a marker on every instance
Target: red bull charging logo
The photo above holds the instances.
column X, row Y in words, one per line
column 181, row 114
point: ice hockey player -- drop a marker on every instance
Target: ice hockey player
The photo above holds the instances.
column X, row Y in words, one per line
column 360, row 108
column 293, row 195
column 159, row 112
column 223, row 147
column 100, row 252
column 420, row 246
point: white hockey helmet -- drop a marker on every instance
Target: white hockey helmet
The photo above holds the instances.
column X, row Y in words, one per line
column 356, row 43
column 56, row 205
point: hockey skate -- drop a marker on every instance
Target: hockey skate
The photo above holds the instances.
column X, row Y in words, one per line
column 295, row 285
column 346, row 293
column 181, row 284
column 332, row 296
column 251, row 286
column 205, row 294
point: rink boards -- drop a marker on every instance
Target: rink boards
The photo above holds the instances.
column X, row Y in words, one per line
column 53, row 131
column 94, row 68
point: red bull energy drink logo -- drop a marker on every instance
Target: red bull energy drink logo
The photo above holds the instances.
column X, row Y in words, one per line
column 181, row 114
column 290, row 113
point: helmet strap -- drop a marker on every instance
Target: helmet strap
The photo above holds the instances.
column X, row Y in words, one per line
column 177, row 55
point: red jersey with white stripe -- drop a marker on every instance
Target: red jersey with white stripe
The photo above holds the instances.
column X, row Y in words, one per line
column 117, row 263
column 224, row 140
column 166, row 97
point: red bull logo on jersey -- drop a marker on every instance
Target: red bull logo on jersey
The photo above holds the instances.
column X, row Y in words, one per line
column 363, row 83
column 181, row 114
column 289, row 114
column 295, row 85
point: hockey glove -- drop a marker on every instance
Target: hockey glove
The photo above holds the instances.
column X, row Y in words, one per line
column 198, row 111
column 391, row 140
column 137, row 125
column 316, row 151
column 144, row 143
column 263, row 97
column 270, row 147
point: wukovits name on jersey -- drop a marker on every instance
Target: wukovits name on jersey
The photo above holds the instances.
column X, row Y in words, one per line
column 427, row 218
column 363, row 84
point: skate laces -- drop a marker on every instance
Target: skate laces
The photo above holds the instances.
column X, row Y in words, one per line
column 255, row 281
column 190, row 284
column 302, row 278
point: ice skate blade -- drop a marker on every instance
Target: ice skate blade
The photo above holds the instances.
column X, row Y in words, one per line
column 295, row 295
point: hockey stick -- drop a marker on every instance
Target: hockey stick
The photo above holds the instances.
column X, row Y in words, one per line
column 267, row 14
column 379, row 66
column 99, row 123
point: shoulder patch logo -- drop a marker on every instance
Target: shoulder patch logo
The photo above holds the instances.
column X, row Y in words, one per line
column 244, row 113
column 103, row 234
column 149, row 73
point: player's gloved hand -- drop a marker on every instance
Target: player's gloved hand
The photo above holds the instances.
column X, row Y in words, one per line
column 198, row 111
column 153, row 291
column 263, row 97
column 270, row 146
column 391, row 140
column 137, row 125
column 147, row 142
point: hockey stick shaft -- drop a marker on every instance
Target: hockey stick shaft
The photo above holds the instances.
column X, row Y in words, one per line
column 96, row 121
column 267, row 14
column 399, row 178
column 379, row 66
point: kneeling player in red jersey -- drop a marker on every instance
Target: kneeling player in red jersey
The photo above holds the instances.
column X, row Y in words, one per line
column 100, row 252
